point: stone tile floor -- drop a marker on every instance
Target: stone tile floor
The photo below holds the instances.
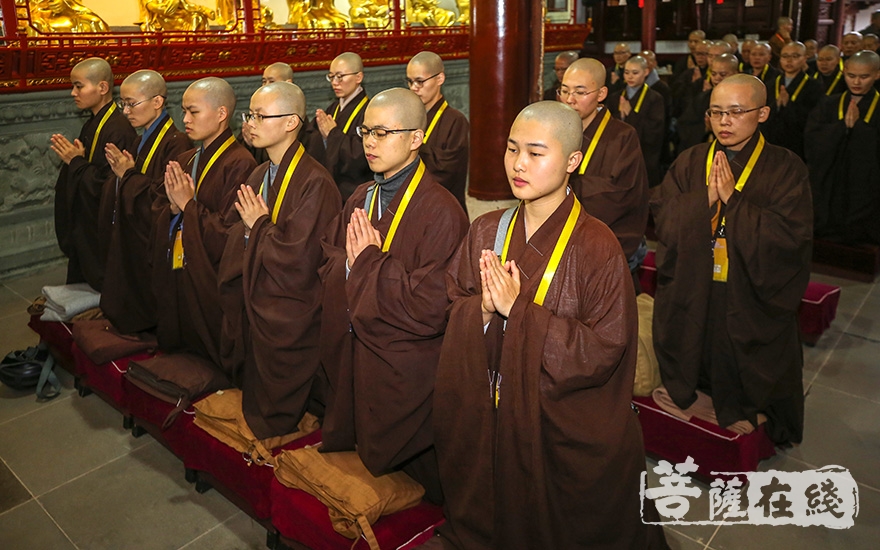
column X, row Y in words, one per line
column 71, row 477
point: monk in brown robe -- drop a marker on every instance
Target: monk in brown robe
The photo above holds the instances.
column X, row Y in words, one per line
column 80, row 230
column 643, row 109
column 611, row 181
column 829, row 70
column 190, row 225
column 551, row 455
column 843, row 153
column 384, row 308
column 728, row 327
column 271, row 264
column 759, row 61
column 792, row 98
column 344, row 152
column 445, row 149
column 693, row 127
column 688, row 62
column 127, row 298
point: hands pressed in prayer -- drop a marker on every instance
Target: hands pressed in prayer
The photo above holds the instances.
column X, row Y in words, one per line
column 783, row 98
column 179, row 187
column 119, row 161
column 691, row 63
column 721, row 178
column 614, row 77
column 325, row 122
column 246, row 134
column 502, row 282
column 707, row 84
column 696, row 74
column 66, row 150
column 625, row 108
column 250, row 206
column 359, row 235
column 488, row 306
column 852, row 113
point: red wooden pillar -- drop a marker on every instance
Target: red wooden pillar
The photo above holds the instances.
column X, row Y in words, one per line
column 502, row 57
column 649, row 25
column 10, row 18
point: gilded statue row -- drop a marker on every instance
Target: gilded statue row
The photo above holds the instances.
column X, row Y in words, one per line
column 70, row 16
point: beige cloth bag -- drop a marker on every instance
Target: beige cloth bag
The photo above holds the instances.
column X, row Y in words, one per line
column 220, row 415
column 647, row 368
column 355, row 498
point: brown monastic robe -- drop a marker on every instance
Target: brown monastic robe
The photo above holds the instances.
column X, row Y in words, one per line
column 188, row 299
column 272, row 295
column 557, row 463
column 343, row 154
column 785, row 126
column 382, row 329
column 738, row 340
column 80, row 230
column 447, row 149
column 127, row 298
column 649, row 123
column 614, row 187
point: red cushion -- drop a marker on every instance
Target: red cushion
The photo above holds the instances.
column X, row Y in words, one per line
column 59, row 337
column 818, row 309
column 105, row 379
column 713, row 448
column 303, row 518
column 648, row 274
column 150, row 412
column 229, row 468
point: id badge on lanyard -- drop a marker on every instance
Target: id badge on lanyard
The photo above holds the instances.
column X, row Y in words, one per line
column 177, row 258
column 719, row 253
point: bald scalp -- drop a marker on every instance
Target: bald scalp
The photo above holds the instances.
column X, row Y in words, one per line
column 405, row 107
column 286, row 96
column 594, row 68
column 281, row 70
column 830, row 48
column 567, row 57
column 865, row 58
column 352, row 60
column 727, row 61
column 96, row 70
column 150, row 83
column 719, row 46
column 650, row 58
column 795, row 45
column 748, row 85
column 559, row 119
column 217, row 92
column 429, row 60
column 697, row 34
column 764, row 45
column 638, row 61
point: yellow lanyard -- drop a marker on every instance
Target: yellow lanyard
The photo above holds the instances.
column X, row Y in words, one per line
column 353, row 114
column 641, row 98
column 285, row 182
column 229, row 141
column 404, row 202
column 708, row 75
column 98, row 131
column 764, row 72
column 434, row 121
column 836, row 78
column 796, row 92
column 589, row 154
column 870, row 109
column 161, row 135
column 747, row 171
column 555, row 256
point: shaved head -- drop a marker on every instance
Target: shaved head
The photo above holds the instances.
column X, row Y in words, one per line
column 288, row 97
column 795, row 45
column 697, row 35
column 831, row 48
column 567, row 57
column 351, row 60
column 429, row 60
column 639, row 61
column 594, row 68
column 747, row 84
column 731, row 39
column 278, row 72
column 725, row 61
column 561, row 120
column 217, row 91
column 650, row 58
column 866, row 58
column 406, row 107
column 148, row 82
column 95, row 70
column 718, row 47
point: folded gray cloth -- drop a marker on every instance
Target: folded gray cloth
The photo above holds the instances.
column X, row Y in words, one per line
column 65, row 301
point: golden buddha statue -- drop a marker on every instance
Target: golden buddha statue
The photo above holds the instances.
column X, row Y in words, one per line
column 428, row 13
column 55, row 16
column 296, row 12
column 267, row 19
column 323, row 15
column 372, row 14
column 464, row 12
column 174, row 15
column 226, row 13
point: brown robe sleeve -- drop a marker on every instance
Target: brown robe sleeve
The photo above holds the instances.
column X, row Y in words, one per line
column 447, row 151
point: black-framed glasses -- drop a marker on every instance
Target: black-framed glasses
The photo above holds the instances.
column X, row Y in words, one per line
column 380, row 133
column 247, row 117
column 717, row 114
column 419, row 82
column 338, row 76
column 580, row 94
column 122, row 104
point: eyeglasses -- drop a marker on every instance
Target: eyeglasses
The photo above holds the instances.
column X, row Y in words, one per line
column 716, row 114
column 418, row 82
column 338, row 76
column 247, row 117
column 580, row 94
column 124, row 104
column 380, row 133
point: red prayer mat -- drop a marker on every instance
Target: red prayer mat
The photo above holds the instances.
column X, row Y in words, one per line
column 150, row 412
column 105, row 380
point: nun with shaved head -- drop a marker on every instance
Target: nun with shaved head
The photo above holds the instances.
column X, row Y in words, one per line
column 81, row 229
column 734, row 223
column 384, row 309
column 538, row 446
